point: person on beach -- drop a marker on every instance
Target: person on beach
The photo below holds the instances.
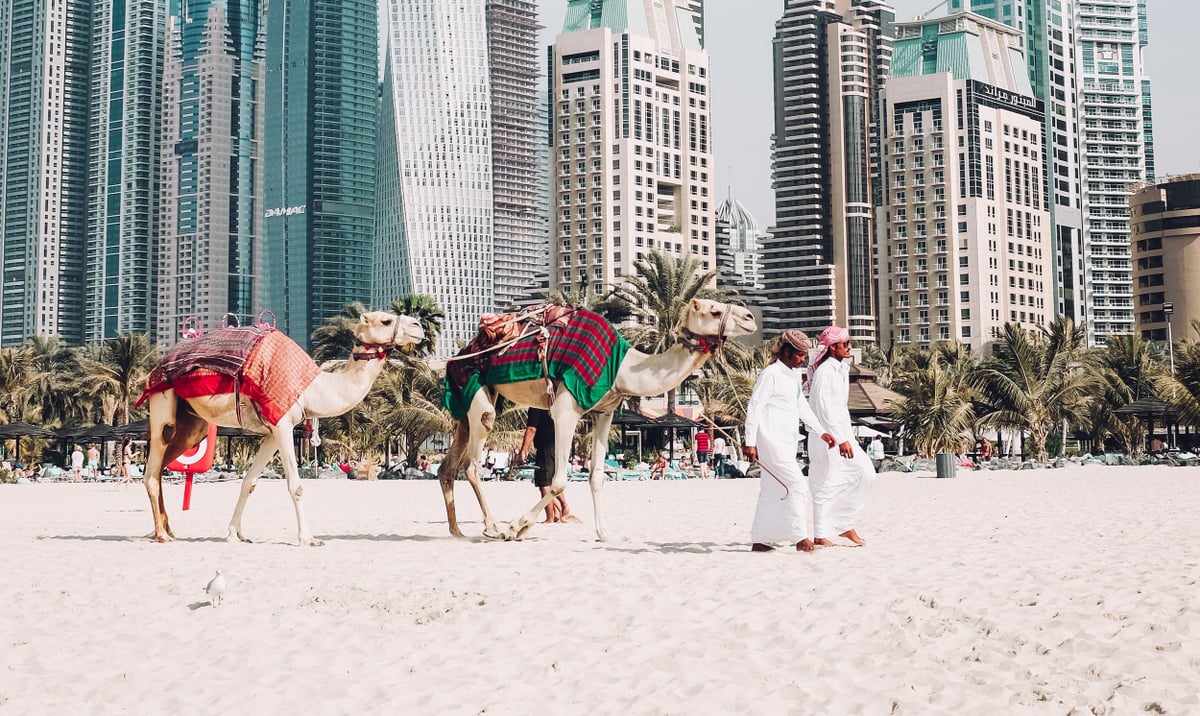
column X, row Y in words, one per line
column 539, row 434
column 658, row 470
column 840, row 483
column 77, row 465
column 720, row 451
column 773, row 417
column 93, row 461
column 703, row 445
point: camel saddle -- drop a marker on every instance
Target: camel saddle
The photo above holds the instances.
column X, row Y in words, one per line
column 578, row 348
column 266, row 366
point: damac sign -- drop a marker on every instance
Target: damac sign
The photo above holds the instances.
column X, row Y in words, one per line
column 285, row 211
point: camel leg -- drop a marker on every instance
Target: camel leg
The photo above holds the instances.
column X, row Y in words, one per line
column 162, row 407
column 489, row 524
column 447, row 471
column 174, row 429
column 287, row 455
column 566, row 416
column 477, row 435
column 597, row 477
column 266, row 451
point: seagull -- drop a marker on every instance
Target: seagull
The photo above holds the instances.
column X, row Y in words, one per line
column 216, row 588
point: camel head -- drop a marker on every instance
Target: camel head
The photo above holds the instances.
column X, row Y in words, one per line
column 378, row 332
column 706, row 324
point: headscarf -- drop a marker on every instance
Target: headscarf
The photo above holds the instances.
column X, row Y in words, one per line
column 828, row 337
column 795, row 338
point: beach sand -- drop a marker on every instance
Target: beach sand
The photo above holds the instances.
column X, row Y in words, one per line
column 1037, row 591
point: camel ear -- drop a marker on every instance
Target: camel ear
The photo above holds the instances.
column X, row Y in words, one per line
column 696, row 305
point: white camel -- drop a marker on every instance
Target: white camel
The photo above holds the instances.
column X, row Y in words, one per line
column 177, row 424
column 703, row 327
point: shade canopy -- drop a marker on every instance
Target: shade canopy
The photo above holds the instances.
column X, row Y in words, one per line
column 12, row 431
column 673, row 420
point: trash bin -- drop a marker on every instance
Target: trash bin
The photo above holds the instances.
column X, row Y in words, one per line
column 945, row 464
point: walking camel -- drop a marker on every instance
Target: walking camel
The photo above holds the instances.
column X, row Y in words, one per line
column 703, row 328
column 265, row 384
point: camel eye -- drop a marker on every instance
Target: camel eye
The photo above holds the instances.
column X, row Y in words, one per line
column 387, row 321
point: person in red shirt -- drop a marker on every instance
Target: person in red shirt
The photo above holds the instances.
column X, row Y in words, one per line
column 703, row 445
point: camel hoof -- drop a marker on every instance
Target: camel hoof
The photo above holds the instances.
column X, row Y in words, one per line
column 313, row 542
column 493, row 533
column 164, row 538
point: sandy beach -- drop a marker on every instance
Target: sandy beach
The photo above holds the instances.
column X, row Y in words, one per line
column 1035, row 591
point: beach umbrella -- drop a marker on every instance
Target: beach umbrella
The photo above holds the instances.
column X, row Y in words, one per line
column 862, row 431
column 16, row 431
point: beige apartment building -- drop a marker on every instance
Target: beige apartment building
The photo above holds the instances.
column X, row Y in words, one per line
column 1165, row 220
column 967, row 241
column 631, row 142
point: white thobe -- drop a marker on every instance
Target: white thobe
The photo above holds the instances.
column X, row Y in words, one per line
column 840, row 486
column 773, row 427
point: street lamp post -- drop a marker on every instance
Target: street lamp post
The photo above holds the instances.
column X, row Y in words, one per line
column 1168, row 308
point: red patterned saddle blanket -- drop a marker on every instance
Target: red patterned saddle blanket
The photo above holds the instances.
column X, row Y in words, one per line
column 267, row 367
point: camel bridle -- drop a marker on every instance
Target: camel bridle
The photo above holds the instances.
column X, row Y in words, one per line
column 696, row 342
column 377, row 351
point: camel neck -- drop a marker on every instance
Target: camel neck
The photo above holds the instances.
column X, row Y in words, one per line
column 655, row 373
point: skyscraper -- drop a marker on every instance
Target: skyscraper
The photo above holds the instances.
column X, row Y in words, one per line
column 435, row 197
column 518, row 130
column 831, row 58
column 322, row 97
column 1086, row 64
column 966, row 230
column 44, row 77
column 631, row 141
column 209, row 259
column 128, row 51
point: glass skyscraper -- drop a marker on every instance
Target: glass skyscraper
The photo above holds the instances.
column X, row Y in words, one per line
column 44, row 77
column 434, row 226
column 1086, row 64
column 831, row 58
column 209, row 262
column 128, row 46
column 319, row 140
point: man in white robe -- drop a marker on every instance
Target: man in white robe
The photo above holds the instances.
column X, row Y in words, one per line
column 840, row 482
column 772, row 434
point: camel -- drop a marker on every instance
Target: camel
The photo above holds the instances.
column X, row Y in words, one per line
column 703, row 328
column 177, row 423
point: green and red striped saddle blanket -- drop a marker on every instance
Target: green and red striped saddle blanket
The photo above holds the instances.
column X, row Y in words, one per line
column 584, row 355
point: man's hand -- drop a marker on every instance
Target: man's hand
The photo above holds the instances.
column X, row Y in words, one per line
column 751, row 453
column 521, row 456
column 829, row 439
column 846, row 450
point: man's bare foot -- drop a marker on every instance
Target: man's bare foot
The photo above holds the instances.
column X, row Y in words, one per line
column 805, row 545
column 853, row 537
column 570, row 518
column 760, row 547
column 822, row 542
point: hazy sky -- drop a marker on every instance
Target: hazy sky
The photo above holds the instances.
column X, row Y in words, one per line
column 738, row 40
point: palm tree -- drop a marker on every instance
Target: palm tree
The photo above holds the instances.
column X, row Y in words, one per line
column 1129, row 368
column 408, row 402
column 425, row 309
column 50, row 389
column 121, row 371
column 15, row 376
column 1182, row 390
column 1035, row 380
column 936, row 411
column 334, row 339
column 657, row 294
column 615, row 310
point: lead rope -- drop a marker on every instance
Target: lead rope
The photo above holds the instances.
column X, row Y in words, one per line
column 738, row 398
